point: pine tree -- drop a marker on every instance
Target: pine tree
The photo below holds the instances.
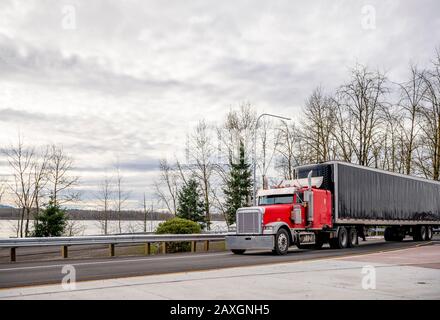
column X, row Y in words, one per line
column 190, row 204
column 51, row 221
column 238, row 186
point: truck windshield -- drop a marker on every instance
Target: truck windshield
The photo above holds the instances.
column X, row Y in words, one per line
column 275, row 199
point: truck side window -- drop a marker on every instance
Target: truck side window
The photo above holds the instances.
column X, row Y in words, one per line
column 299, row 197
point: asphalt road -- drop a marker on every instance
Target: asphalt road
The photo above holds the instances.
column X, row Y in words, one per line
column 46, row 272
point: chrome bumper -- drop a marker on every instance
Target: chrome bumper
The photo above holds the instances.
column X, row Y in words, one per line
column 249, row 242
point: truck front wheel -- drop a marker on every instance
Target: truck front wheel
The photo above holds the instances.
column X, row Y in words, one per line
column 281, row 242
column 341, row 240
column 238, row 251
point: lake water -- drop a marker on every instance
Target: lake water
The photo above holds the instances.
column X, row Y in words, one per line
column 93, row 227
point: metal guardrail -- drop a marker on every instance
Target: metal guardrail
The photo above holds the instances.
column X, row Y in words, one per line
column 65, row 242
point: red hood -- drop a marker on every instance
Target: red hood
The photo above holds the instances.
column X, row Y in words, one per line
column 272, row 208
column 276, row 212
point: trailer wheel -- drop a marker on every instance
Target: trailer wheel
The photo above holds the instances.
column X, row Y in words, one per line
column 423, row 233
column 420, row 233
column 429, row 233
column 238, row 251
column 352, row 238
column 388, row 234
column 281, row 242
column 341, row 240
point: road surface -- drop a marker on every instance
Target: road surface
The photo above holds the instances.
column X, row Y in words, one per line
column 47, row 272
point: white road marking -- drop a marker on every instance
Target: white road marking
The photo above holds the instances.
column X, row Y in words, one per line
column 112, row 261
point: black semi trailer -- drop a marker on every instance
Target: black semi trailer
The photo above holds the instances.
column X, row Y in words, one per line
column 363, row 196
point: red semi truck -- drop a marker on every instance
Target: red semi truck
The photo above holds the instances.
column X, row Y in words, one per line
column 333, row 202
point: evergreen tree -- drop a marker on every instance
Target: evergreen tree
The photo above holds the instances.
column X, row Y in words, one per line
column 51, row 221
column 238, row 186
column 190, row 204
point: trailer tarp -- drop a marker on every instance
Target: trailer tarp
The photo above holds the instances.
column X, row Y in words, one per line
column 367, row 194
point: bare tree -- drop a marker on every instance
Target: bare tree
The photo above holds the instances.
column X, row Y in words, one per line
column 387, row 148
column 148, row 212
column 104, row 196
column 412, row 93
column 362, row 101
column 201, row 162
column 238, row 127
column 267, row 138
column 429, row 157
column 41, row 175
column 62, row 182
column 166, row 188
column 319, row 125
column 29, row 172
column 121, row 195
column 3, row 186
column 286, row 148
column 345, row 129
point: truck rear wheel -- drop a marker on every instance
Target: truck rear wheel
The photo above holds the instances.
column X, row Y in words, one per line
column 341, row 240
column 352, row 238
column 281, row 242
column 238, row 251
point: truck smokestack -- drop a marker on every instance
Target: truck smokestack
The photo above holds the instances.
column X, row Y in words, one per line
column 309, row 180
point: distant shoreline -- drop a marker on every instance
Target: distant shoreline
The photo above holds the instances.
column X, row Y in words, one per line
column 76, row 214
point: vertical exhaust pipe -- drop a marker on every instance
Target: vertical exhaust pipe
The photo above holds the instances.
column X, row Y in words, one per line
column 308, row 195
column 309, row 180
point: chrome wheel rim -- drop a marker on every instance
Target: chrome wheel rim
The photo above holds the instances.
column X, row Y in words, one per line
column 282, row 242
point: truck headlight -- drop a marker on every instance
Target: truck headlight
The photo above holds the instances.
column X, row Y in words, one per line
column 268, row 229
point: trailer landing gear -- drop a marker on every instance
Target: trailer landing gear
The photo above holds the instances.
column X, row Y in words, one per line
column 394, row 234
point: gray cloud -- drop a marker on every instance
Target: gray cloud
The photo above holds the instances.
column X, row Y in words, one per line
column 134, row 76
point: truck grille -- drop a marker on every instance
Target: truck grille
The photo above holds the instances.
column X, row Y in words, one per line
column 249, row 220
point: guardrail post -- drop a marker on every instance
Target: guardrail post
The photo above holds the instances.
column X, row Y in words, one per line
column 13, row 255
column 64, row 252
column 206, row 245
column 193, row 246
column 164, row 247
column 111, row 248
column 147, row 248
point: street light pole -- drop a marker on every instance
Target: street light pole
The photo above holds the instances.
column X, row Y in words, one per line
column 254, row 194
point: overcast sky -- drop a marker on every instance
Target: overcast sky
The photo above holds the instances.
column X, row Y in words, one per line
column 127, row 79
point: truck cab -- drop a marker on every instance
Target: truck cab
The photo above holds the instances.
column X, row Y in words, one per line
column 289, row 214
